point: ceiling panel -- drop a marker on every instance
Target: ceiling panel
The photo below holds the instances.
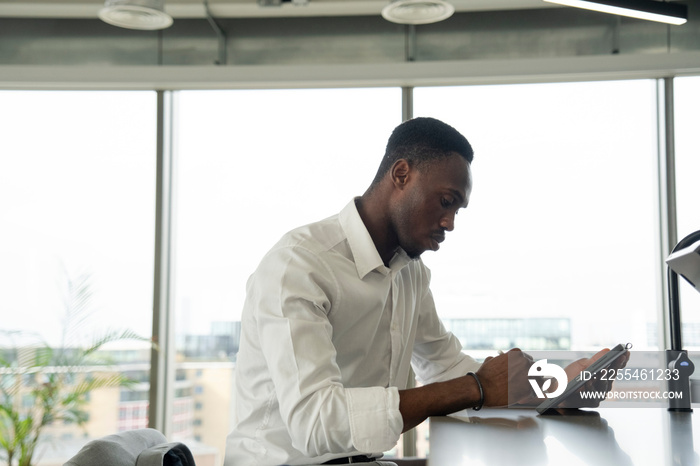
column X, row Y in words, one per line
column 242, row 8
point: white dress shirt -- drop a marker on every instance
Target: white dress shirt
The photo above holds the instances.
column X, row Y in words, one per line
column 327, row 339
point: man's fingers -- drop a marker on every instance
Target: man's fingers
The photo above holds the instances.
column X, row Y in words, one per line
column 598, row 355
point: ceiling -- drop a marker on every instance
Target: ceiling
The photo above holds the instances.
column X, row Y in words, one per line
column 242, row 8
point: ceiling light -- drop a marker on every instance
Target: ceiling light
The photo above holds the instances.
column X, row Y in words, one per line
column 664, row 12
column 136, row 14
column 417, row 11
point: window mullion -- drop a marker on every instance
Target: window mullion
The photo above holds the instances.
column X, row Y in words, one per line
column 162, row 354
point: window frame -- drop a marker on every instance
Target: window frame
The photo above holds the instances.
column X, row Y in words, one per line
column 403, row 75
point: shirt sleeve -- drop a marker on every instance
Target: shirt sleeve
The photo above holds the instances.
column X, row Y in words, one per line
column 293, row 294
column 437, row 354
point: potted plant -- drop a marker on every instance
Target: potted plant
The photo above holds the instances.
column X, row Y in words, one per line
column 41, row 384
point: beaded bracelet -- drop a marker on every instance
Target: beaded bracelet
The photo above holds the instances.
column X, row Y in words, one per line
column 481, row 392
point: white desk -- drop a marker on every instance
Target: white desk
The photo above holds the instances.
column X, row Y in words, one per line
column 605, row 436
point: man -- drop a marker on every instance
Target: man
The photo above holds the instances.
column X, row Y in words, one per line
column 339, row 310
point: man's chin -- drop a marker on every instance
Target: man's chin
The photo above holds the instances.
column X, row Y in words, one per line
column 414, row 251
column 415, row 255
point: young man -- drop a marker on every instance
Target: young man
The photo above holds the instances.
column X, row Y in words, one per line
column 338, row 311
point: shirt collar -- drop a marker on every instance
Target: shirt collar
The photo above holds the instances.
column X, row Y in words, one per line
column 362, row 246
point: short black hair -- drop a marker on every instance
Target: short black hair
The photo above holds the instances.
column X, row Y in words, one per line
column 420, row 141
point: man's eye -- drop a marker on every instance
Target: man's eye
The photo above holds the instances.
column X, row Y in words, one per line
column 446, row 202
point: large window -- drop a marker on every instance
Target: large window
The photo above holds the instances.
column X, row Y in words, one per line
column 556, row 250
column 77, row 190
column 253, row 165
column 687, row 101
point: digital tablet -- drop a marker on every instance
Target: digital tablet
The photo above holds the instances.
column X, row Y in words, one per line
column 585, row 375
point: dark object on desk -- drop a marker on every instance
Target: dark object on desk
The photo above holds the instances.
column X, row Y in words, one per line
column 684, row 259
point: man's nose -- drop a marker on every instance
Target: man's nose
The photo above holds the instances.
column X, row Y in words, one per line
column 448, row 222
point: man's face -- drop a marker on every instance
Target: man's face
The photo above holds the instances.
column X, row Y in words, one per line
column 426, row 206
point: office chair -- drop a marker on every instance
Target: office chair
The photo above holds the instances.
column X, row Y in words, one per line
column 140, row 447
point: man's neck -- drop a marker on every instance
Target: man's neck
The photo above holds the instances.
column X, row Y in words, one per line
column 378, row 223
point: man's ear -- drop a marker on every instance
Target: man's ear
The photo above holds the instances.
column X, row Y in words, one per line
column 400, row 172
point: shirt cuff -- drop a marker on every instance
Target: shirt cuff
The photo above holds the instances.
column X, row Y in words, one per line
column 375, row 419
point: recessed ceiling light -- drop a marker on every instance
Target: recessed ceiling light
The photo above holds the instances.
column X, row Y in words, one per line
column 136, row 14
column 417, row 11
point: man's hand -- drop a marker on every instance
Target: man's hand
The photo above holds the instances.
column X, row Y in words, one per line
column 497, row 376
column 504, row 377
column 593, row 385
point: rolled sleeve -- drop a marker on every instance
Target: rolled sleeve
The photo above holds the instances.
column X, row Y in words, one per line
column 375, row 419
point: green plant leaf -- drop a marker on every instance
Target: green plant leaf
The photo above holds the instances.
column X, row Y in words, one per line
column 46, row 384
